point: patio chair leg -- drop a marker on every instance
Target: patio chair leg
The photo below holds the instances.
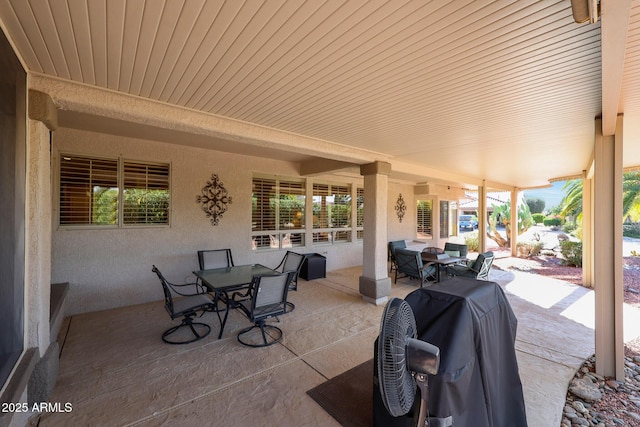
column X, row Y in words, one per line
column 187, row 321
column 264, row 335
column 276, row 336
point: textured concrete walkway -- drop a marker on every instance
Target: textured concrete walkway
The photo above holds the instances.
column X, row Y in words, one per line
column 115, row 370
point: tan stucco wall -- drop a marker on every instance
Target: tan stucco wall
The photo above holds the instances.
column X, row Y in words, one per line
column 111, row 268
column 406, row 229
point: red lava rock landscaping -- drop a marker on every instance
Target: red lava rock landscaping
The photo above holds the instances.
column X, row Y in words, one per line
column 619, row 405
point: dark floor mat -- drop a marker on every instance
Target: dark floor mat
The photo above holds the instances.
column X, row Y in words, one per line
column 348, row 397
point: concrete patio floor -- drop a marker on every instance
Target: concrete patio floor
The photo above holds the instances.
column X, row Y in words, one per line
column 115, row 370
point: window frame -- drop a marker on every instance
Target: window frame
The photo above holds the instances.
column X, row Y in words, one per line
column 325, row 229
column 279, row 236
column 421, row 234
column 359, row 213
column 121, row 178
column 445, row 219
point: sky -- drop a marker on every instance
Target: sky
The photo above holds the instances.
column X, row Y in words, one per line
column 552, row 196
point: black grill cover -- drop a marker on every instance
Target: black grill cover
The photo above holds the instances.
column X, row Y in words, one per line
column 478, row 383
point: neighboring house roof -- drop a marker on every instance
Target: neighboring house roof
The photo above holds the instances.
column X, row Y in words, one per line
column 470, row 202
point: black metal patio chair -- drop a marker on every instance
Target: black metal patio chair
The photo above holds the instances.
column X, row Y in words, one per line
column 476, row 269
column 266, row 298
column 215, row 258
column 409, row 263
column 187, row 306
column 291, row 261
column 391, row 248
column 456, row 249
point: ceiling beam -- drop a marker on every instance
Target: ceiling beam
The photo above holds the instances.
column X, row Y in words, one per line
column 99, row 102
column 324, row 166
column 614, row 25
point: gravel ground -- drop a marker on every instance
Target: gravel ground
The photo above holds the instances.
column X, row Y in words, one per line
column 552, row 266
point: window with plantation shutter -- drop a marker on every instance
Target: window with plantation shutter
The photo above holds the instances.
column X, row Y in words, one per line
column 277, row 213
column 360, row 213
column 263, row 204
column 88, row 191
column 112, row 192
column 424, row 211
column 332, row 204
column 444, row 219
column 146, row 193
column 291, row 196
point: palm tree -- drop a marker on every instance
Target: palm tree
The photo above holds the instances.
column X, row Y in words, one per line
column 630, row 192
column 572, row 201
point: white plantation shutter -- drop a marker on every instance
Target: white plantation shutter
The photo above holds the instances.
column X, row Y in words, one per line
column 291, row 204
column 277, row 212
column 341, row 209
column 444, row 219
column 359, row 212
column 91, row 193
column 320, row 211
column 332, row 204
column 263, row 213
column 88, row 191
column 425, row 218
column 146, row 193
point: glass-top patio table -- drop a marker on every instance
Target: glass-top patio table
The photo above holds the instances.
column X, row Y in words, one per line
column 221, row 281
column 448, row 260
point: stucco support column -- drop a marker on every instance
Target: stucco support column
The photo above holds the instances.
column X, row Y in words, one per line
column 375, row 284
column 43, row 119
column 513, row 233
column 39, row 331
column 608, row 252
column 482, row 218
column 587, row 230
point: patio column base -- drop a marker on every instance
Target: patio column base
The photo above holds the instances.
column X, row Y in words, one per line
column 375, row 291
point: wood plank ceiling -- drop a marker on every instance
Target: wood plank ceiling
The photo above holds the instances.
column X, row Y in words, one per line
column 500, row 90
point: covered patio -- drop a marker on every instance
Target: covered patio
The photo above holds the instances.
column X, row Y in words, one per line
column 115, row 370
column 135, row 133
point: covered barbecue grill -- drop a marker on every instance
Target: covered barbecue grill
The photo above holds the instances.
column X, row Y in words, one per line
column 478, row 383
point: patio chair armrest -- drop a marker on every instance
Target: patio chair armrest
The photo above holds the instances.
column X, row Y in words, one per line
column 427, row 265
column 241, row 295
column 178, row 289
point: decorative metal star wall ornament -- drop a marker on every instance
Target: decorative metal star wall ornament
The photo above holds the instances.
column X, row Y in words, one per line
column 401, row 207
column 214, row 199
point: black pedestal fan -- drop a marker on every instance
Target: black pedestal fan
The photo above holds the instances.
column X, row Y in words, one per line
column 403, row 362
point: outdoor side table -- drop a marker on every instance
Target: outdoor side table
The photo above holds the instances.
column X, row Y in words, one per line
column 314, row 266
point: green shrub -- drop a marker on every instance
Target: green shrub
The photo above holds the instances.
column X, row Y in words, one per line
column 569, row 227
column 631, row 230
column 471, row 240
column 538, row 218
column 552, row 221
column 577, row 233
column 571, row 252
column 527, row 249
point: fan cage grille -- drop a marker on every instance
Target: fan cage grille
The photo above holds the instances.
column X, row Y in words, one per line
column 397, row 385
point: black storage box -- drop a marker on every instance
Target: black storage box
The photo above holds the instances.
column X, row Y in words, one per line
column 314, row 266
